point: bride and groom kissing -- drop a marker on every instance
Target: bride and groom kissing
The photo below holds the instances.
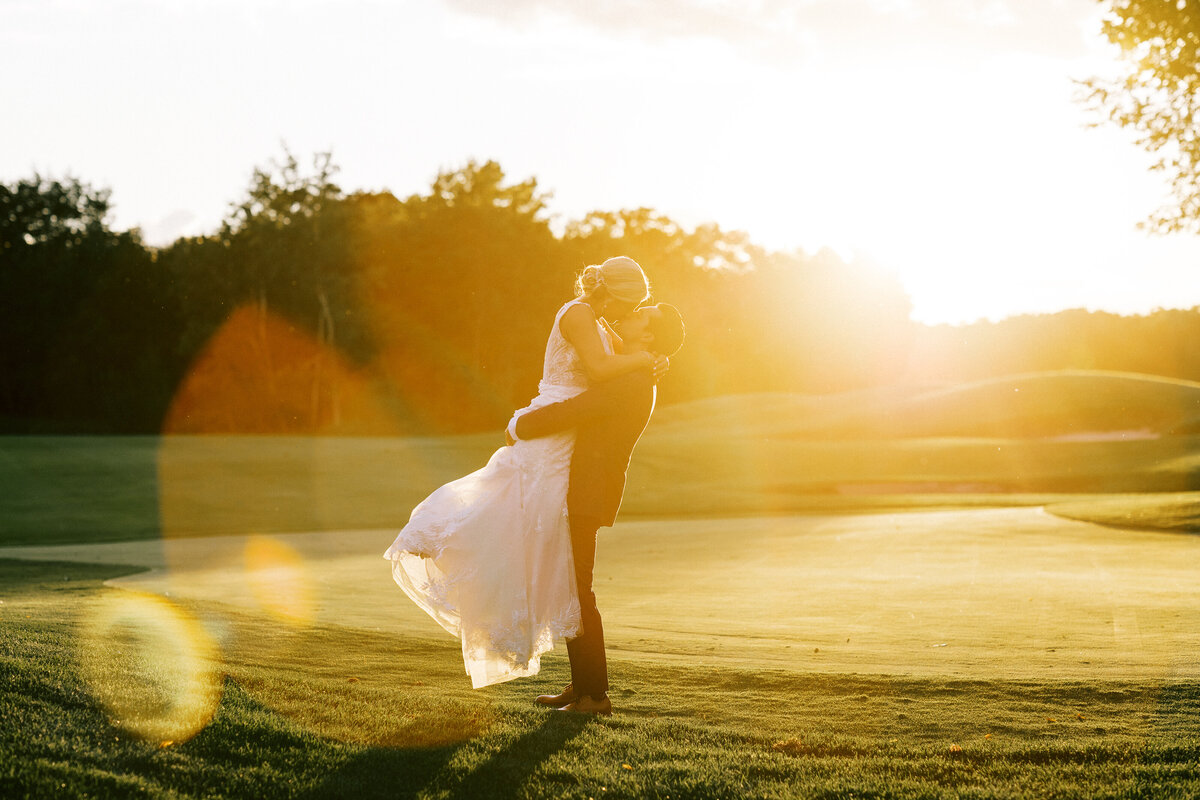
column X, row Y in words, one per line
column 503, row 558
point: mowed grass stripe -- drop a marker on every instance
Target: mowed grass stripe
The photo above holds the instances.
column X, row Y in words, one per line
column 1020, row 440
column 96, row 489
column 995, row 593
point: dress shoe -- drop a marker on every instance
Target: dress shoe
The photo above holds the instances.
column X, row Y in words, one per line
column 558, row 700
column 588, row 705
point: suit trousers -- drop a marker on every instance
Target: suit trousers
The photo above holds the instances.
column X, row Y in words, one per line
column 589, row 667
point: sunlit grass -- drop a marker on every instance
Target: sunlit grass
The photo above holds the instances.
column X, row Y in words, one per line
column 995, row 653
column 365, row 715
column 976, row 593
column 151, row 665
column 279, row 579
column 1035, row 405
column 1027, row 440
column 1178, row 511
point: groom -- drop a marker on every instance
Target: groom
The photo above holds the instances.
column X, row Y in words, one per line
column 609, row 419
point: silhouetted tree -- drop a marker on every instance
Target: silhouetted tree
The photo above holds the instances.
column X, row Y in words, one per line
column 289, row 249
column 87, row 317
column 461, row 285
column 1166, row 343
column 1158, row 98
column 429, row 314
column 285, row 248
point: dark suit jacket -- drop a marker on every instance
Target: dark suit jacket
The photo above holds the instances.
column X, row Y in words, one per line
column 609, row 419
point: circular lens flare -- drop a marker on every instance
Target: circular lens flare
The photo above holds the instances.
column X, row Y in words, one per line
column 279, row 580
column 151, row 665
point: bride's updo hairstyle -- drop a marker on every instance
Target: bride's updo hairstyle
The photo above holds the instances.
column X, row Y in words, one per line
column 620, row 278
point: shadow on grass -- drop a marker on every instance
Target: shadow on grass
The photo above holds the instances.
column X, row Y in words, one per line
column 409, row 772
column 377, row 772
column 510, row 767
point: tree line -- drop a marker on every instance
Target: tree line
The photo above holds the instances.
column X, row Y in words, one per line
column 316, row 310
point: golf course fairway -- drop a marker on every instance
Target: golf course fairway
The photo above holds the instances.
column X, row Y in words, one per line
column 978, row 594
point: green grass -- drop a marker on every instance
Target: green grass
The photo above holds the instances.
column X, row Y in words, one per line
column 329, row 712
column 78, row 488
column 1045, row 404
column 727, row 456
column 983, row 654
column 93, row 489
column 709, row 474
column 1170, row 511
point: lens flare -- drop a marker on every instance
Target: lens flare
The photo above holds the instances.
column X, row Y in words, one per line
column 151, row 665
column 279, row 580
column 259, row 374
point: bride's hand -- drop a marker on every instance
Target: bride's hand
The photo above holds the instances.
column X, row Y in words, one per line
column 661, row 365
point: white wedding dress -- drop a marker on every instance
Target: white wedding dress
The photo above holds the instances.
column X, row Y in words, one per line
column 489, row 555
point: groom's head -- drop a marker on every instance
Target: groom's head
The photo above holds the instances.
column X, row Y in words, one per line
column 658, row 328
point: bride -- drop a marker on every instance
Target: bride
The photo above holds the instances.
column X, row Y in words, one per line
column 489, row 555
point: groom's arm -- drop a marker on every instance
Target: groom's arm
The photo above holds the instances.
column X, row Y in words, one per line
column 603, row 398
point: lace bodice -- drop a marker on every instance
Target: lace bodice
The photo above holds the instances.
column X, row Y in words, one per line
column 562, row 367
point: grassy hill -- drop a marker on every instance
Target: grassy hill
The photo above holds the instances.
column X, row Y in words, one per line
column 1046, row 404
column 1029, row 439
column 1009, row 440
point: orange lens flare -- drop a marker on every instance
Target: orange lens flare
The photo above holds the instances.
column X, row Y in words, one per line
column 259, row 373
column 279, row 580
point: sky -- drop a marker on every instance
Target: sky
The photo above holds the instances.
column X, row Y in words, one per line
column 938, row 140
